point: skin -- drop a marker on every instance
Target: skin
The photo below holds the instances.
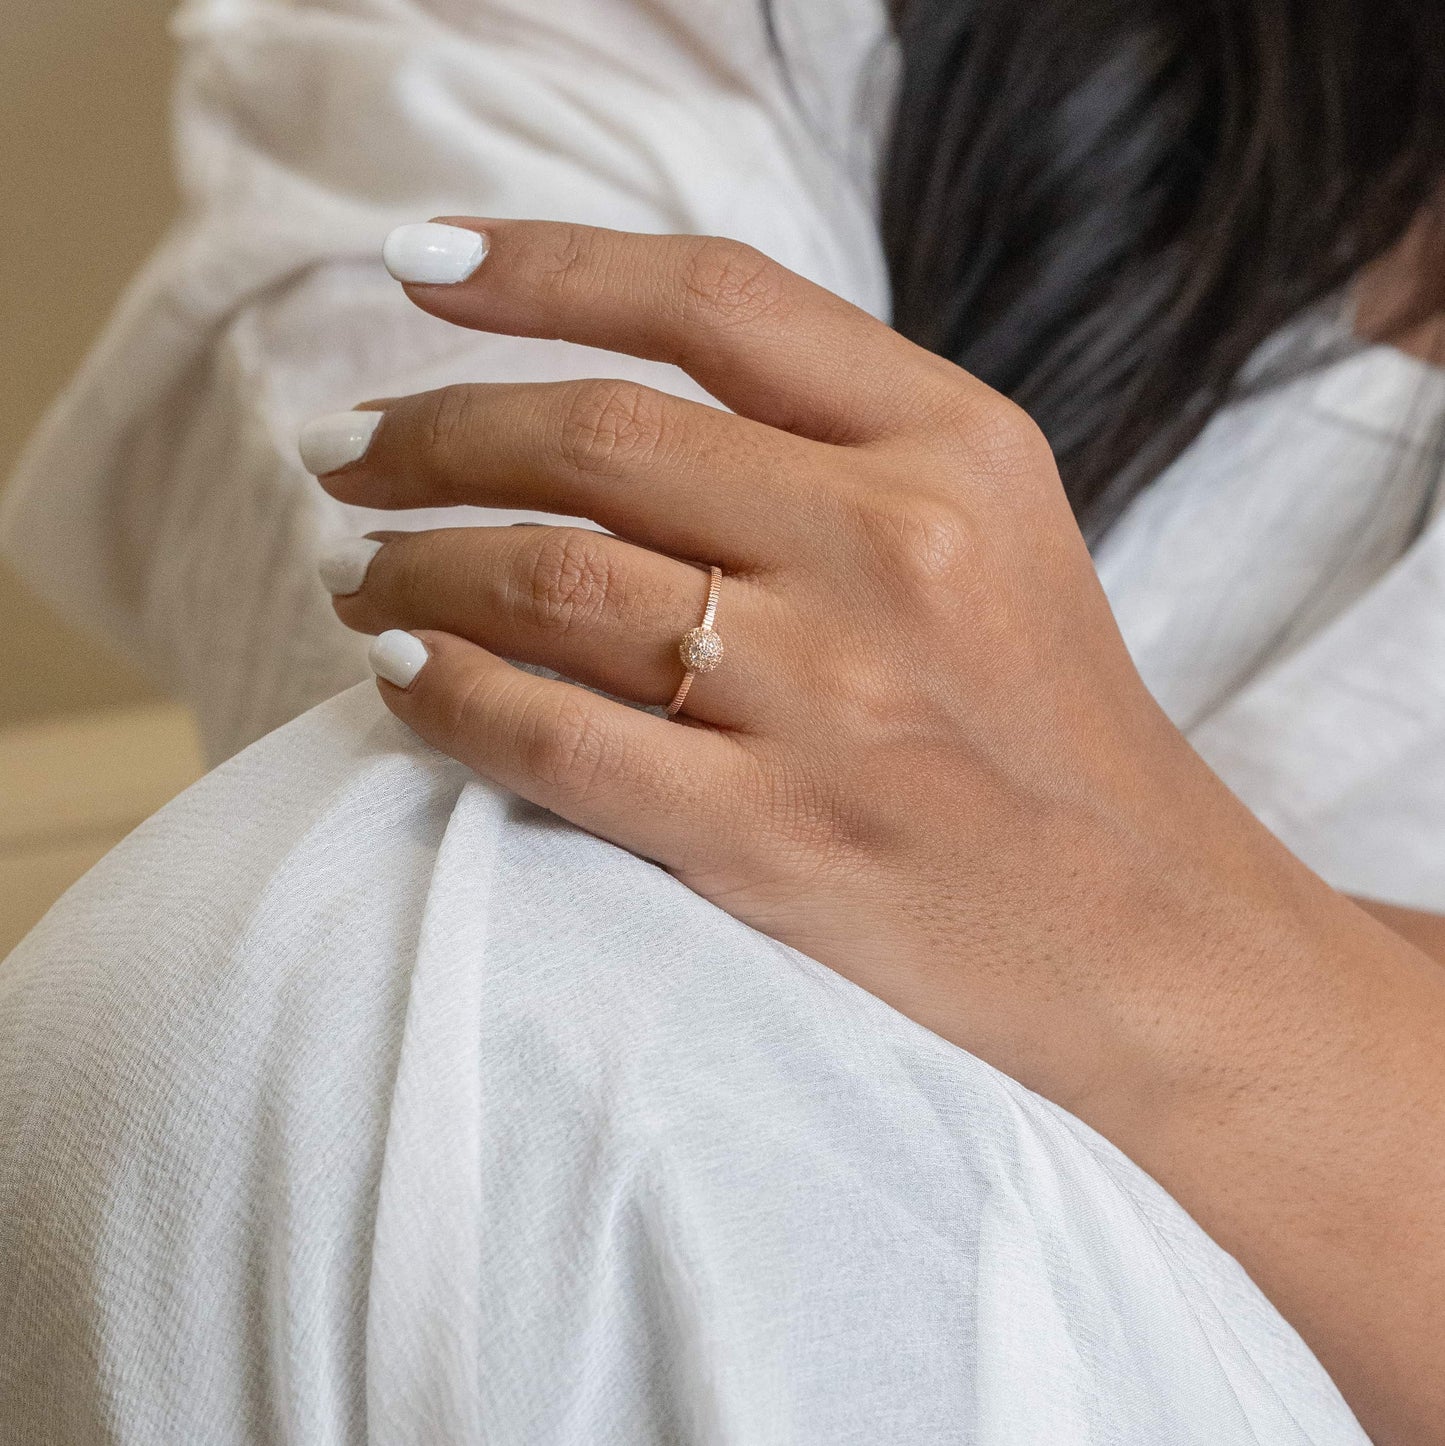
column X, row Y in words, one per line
column 926, row 760
column 1425, row 931
column 1398, row 303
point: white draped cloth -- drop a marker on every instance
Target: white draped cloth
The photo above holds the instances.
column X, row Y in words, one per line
column 352, row 1099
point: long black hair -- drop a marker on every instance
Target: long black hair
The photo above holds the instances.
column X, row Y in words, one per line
column 1104, row 207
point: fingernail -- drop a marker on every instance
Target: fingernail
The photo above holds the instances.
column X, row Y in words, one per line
column 398, row 657
column 343, row 565
column 337, row 440
column 433, row 254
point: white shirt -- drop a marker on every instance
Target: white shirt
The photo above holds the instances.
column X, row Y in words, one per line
column 352, row 1099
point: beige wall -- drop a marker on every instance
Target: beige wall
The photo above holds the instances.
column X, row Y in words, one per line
column 86, row 752
column 84, row 154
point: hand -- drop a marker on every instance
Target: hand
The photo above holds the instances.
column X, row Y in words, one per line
column 926, row 758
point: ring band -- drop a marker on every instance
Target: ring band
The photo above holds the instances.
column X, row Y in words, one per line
column 701, row 650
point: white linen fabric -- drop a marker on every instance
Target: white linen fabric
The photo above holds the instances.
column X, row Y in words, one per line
column 162, row 503
column 351, row 1099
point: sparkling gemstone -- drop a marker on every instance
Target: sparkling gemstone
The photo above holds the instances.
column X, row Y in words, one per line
column 701, row 650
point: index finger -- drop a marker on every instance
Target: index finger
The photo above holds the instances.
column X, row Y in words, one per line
column 764, row 341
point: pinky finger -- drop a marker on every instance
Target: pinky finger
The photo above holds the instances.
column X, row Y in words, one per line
column 644, row 783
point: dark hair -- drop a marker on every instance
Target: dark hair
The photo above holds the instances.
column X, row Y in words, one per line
column 1103, row 207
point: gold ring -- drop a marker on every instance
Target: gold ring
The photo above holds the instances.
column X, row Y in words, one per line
column 701, row 650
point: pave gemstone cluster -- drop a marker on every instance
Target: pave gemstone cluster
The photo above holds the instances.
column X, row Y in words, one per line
column 701, row 650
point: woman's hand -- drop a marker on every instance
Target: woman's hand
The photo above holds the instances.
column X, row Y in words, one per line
column 925, row 759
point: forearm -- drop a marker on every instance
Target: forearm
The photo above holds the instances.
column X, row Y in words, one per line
column 1307, row 1135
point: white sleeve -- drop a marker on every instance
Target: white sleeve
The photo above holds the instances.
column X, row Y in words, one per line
column 162, row 505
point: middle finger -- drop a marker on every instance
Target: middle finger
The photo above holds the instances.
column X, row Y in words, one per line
column 667, row 473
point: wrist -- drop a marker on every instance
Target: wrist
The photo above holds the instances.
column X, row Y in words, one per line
column 1240, row 981
column 1199, row 942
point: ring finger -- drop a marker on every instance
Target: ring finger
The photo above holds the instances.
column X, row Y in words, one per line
column 585, row 604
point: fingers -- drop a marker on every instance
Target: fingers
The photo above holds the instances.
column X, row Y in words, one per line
column 584, row 604
column 761, row 339
column 667, row 473
column 629, row 776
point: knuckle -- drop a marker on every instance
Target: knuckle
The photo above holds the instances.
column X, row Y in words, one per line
column 446, row 425
column 413, row 575
column 1000, row 439
column 569, row 580
column 607, row 426
column 728, row 283
column 564, row 747
column 561, row 261
column 921, row 540
column 1011, row 443
column 864, row 697
column 460, row 720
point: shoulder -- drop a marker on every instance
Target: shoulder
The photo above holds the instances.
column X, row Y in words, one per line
column 350, row 1043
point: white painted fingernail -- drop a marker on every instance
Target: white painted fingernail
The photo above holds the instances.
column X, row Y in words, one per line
column 337, row 440
column 398, row 657
column 432, row 254
column 343, row 565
